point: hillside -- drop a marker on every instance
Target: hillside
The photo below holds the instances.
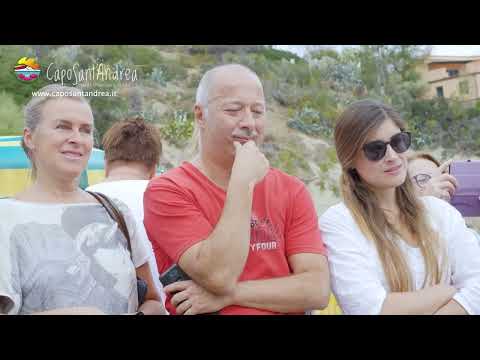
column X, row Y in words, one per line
column 304, row 97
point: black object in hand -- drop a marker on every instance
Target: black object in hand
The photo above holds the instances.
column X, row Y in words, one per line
column 173, row 274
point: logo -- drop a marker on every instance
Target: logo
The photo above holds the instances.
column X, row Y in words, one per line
column 92, row 75
column 263, row 235
column 27, row 69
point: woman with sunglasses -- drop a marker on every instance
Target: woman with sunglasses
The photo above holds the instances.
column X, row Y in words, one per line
column 430, row 177
column 391, row 252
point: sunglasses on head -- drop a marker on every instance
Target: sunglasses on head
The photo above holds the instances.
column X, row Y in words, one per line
column 376, row 150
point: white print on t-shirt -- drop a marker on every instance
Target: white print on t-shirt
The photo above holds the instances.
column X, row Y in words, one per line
column 263, row 236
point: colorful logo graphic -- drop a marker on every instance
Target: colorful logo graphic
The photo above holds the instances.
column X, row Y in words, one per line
column 27, row 69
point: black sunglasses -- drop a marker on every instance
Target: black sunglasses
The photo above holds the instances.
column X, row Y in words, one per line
column 376, row 150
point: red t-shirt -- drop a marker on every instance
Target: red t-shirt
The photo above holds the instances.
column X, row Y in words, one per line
column 183, row 206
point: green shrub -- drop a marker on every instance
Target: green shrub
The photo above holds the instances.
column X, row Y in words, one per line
column 196, row 60
column 286, row 94
column 254, row 61
column 177, row 127
column 11, row 117
column 331, row 155
column 290, row 160
column 107, row 110
column 115, row 53
column 477, row 106
column 158, row 76
column 173, row 70
column 84, row 60
column 312, row 122
column 323, row 53
column 94, row 51
column 277, row 55
column 64, row 56
column 153, row 111
column 145, row 58
column 298, row 74
column 193, row 80
column 334, row 188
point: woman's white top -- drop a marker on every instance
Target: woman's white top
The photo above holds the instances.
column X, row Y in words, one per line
column 357, row 278
column 55, row 256
column 131, row 193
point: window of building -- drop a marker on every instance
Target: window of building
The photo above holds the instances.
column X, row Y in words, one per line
column 452, row 72
column 440, row 91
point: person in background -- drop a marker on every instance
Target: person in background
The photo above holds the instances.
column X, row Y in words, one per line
column 430, row 177
column 132, row 152
column 61, row 252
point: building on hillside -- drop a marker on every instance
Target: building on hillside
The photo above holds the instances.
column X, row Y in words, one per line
column 452, row 77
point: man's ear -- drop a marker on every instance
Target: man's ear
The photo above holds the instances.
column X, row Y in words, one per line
column 199, row 115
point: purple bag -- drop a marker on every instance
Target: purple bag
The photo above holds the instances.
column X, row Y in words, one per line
column 467, row 196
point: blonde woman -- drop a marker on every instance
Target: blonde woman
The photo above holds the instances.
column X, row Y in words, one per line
column 61, row 252
column 391, row 252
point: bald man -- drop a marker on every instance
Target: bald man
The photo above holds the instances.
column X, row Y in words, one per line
column 246, row 234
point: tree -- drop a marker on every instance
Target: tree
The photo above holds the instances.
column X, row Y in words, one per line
column 323, row 52
column 384, row 67
column 11, row 117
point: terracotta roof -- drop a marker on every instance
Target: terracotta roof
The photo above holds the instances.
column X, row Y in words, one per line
column 448, row 59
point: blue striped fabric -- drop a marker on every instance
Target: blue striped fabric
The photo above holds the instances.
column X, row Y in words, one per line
column 96, row 161
column 10, row 138
column 13, row 157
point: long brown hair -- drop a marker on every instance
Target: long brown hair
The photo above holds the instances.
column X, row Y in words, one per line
column 351, row 132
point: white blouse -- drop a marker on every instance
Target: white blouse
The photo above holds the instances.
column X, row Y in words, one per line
column 357, row 278
column 55, row 256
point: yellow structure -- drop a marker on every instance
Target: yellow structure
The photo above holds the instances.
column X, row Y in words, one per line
column 332, row 309
column 15, row 170
column 452, row 76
